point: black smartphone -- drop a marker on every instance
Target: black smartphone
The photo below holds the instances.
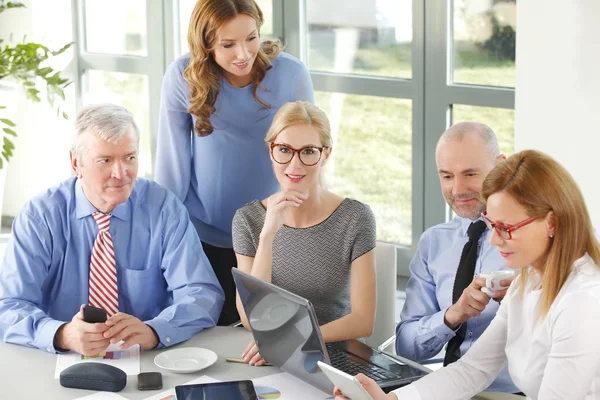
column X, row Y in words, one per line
column 237, row 390
column 150, row 381
column 93, row 314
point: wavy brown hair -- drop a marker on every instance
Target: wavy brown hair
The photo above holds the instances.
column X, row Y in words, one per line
column 202, row 73
column 540, row 184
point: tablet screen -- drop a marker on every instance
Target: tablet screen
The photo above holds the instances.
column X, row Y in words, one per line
column 238, row 390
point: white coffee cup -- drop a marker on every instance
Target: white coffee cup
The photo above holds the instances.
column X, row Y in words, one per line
column 493, row 279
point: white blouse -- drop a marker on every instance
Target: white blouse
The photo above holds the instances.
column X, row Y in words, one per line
column 557, row 357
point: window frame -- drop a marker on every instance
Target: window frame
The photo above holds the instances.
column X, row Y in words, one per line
column 430, row 89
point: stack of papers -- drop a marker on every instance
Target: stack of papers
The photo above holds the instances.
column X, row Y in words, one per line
column 126, row 360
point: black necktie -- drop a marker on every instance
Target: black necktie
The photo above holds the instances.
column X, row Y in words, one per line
column 464, row 277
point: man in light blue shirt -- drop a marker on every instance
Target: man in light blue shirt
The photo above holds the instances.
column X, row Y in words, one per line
column 166, row 289
column 465, row 154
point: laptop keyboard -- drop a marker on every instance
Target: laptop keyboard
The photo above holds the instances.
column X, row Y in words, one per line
column 342, row 361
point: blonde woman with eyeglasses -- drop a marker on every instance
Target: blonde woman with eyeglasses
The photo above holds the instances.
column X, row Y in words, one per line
column 305, row 238
column 546, row 328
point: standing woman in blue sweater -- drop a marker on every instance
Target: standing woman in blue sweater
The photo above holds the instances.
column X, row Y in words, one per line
column 217, row 104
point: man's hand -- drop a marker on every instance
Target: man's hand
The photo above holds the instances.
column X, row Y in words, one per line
column 82, row 337
column 470, row 304
column 131, row 330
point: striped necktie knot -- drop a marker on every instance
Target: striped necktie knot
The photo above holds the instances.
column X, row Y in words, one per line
column 103, row 221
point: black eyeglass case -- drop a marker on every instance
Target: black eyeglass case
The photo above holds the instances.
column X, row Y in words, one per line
column 94, row 376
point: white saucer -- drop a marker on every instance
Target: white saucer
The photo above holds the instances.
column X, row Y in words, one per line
column 186, row 359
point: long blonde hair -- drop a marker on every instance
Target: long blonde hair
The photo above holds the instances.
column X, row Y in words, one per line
column 202, row 73
column 540, row 184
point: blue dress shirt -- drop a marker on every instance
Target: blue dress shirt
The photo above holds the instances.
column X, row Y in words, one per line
column 422, row 332
column 164, row 278
column 217, row 174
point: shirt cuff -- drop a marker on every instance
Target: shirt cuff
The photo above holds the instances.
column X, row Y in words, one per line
column 164, row 332
column 46, row 334
column 439, row 328
column 408, row 392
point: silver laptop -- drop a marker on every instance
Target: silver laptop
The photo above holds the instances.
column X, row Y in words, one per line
column 287, row 333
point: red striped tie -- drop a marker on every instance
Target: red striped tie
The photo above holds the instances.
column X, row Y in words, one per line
column 103, row 269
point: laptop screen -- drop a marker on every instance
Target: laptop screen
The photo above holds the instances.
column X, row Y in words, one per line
column 285, row 329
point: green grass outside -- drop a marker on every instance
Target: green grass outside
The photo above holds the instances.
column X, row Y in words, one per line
column 373, row 150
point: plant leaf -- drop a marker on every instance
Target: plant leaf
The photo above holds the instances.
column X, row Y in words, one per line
column 11, row 4
column 8, row 145
column 63, row 49
column 32, row 94
column 59, row 92
column 7, row 122
column 10, row 131
column 15, row 4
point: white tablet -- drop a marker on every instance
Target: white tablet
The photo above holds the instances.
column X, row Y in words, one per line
column 348, row 384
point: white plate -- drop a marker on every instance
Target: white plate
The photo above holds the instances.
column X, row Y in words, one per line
column 186, row 359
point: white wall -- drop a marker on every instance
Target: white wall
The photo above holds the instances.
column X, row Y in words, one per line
column 41, row 157
column 558, row 87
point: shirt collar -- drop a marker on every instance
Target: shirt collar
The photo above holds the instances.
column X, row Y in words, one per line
column 84, row 208
column 465, row 223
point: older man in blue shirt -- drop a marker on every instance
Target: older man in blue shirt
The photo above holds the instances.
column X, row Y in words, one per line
column 107, row 238
column 465, row 154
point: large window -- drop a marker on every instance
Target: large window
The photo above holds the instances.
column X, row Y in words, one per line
column 372, row 157
column 360, row 54
column 484, row 33
column 360, row 37
column 127, row 32
column 121, row 58
column 392, row 75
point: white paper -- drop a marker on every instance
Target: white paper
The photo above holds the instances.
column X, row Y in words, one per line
column 170, row 394
column 126, row 360
column 288, row 387
column 102, row 396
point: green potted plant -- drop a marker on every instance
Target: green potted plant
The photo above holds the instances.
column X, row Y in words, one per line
column 23, row 65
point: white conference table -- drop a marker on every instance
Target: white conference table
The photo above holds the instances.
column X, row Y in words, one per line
column 29, row 373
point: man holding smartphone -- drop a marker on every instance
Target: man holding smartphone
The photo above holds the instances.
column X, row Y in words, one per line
column 111, row 240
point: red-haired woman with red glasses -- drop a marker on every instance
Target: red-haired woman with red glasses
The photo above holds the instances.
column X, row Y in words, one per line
column 547, row 326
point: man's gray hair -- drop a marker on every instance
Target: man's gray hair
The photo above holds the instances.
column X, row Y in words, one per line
column 109, row 121
column 460, row 130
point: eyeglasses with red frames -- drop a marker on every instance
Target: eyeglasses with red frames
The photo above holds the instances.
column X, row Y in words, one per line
column 505, row 231
column 308, row 155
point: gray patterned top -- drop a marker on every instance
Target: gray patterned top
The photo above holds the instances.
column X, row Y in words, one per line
column 312, row 262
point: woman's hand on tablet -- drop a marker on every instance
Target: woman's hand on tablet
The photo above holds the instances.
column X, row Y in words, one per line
column 370, row 386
